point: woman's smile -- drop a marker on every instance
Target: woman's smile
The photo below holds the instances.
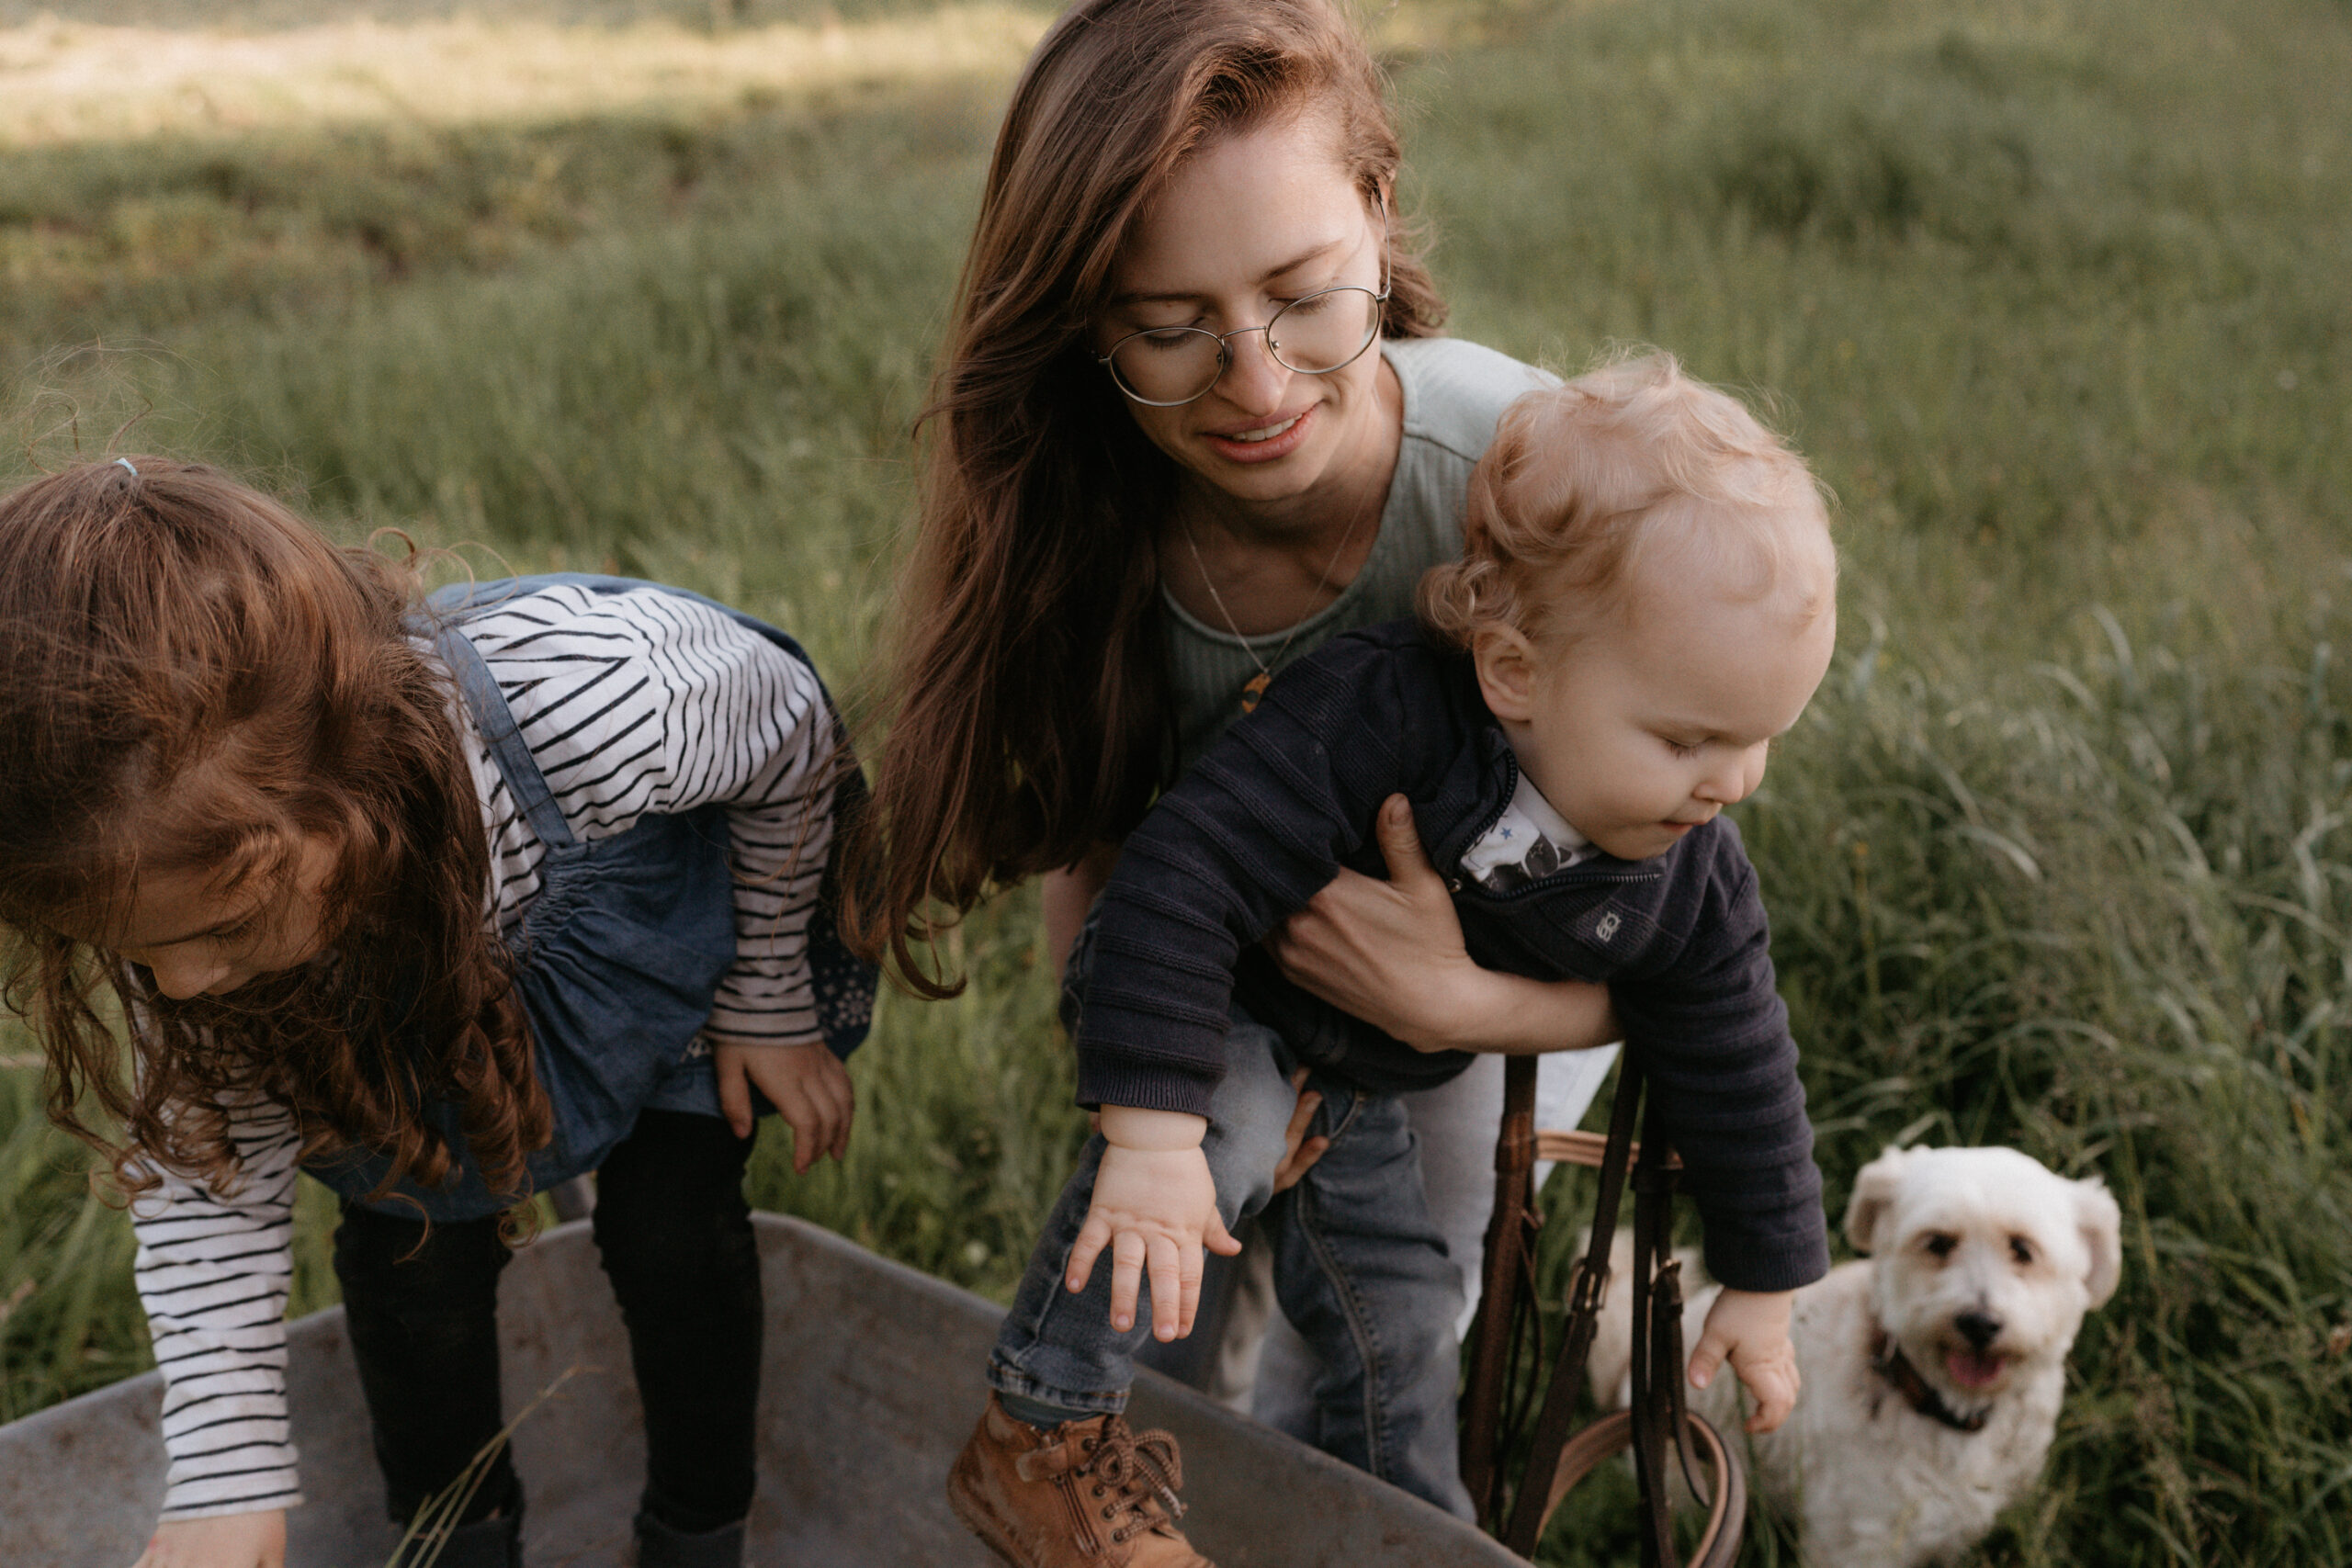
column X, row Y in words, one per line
column 1262, row 441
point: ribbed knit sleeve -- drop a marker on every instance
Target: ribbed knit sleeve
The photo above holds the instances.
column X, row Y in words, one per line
column 1711, row 1034
column 1257, row 828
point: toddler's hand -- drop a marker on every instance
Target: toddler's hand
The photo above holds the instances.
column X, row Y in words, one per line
column 1153, row 1208
column 807, row 1084
column 1751, row 1329
column 229, row 1541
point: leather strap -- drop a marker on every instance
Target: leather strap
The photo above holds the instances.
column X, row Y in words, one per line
column 1508, row 1289
column 1726, row 1499
column 1525, row 1523
column 1658, row 1409
column 1659, row 1415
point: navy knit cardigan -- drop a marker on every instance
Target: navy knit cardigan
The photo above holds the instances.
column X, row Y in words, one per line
column 1289, row 794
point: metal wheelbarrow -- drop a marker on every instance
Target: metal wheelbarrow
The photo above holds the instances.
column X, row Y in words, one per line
column 854, row 1344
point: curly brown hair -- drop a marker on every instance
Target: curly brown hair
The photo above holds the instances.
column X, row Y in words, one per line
column 198, row 680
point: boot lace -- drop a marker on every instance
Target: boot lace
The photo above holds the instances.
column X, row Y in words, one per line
column 1134, row 1474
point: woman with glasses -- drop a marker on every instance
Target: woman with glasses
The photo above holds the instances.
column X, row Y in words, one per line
column 1192, row 417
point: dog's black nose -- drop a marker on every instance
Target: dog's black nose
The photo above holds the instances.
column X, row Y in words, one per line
column 1979, row 1329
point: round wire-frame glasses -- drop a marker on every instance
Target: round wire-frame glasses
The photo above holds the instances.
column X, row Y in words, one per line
column 1329, row 330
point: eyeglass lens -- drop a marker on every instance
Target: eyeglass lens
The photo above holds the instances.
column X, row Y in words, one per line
column 1313, row 335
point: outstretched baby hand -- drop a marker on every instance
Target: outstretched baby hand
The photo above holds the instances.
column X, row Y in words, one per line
column 1751, row 1329
column 808, row 1085
column 1154, row 1207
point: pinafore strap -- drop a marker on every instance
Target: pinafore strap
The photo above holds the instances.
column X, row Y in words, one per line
column 523, row 780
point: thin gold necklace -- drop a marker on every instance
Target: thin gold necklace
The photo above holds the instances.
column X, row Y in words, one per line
column 1255, row 687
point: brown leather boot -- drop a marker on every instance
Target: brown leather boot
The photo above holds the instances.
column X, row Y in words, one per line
column 1084, row 1494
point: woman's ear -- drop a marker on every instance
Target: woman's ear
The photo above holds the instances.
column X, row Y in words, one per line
column 1506, row 663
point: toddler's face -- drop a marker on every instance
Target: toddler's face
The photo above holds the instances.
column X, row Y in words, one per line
column 1661, row 716
column 197, row 940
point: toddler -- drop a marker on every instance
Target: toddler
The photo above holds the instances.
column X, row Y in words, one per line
column 1646, row 602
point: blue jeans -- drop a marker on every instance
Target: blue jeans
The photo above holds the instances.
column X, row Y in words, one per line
column 1360, row 1269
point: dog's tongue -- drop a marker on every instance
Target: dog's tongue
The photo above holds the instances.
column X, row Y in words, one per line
column 1970, row 1369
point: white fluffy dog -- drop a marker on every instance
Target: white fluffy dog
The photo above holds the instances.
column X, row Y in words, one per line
column 1933, row 1369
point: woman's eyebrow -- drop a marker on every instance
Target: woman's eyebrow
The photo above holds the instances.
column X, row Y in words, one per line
column 1180, row 295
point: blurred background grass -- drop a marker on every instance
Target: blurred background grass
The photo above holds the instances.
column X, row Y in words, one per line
column 2053, row 291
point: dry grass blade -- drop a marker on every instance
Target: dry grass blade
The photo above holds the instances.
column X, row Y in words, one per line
column 437, row 1520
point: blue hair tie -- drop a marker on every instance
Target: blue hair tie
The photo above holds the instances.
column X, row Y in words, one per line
column 125, row 464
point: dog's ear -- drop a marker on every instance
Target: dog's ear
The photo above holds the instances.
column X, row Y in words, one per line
column 1875, row 1186
column 2102, row 1227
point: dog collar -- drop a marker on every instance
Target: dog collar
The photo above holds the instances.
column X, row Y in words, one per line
column 1888, row 1360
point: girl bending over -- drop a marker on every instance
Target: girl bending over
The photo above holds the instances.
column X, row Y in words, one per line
column 440, row 902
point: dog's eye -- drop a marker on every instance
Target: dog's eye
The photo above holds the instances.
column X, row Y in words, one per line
column 1938, row 1243
column 2022, row 1250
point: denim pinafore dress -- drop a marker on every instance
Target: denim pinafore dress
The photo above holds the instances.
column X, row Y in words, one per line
column 619, row 957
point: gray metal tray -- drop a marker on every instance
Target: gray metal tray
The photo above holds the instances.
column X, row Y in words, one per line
column 871, row 1384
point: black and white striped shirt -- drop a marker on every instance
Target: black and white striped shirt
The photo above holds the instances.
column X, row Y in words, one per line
column 632, row 703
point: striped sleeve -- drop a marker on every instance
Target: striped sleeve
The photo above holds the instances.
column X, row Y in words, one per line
column 646, row 701
column 213, row 1273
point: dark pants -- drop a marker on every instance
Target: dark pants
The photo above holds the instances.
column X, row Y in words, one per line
column 676, row 1238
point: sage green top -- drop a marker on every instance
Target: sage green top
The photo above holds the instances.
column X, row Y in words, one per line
column 1453, row 392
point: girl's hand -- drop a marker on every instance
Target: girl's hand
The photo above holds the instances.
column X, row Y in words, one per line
column 1391, row 954
column 228, row 1540
column 1154, row 1207
column 807, row 1084
column 1752, row 1330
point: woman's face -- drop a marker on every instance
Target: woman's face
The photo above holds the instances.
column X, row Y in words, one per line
column 1254, row 221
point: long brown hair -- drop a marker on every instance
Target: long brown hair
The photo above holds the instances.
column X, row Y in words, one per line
column 1030, row 712
column 197, row 681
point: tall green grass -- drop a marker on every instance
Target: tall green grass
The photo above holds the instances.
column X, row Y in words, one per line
column 2054, row 296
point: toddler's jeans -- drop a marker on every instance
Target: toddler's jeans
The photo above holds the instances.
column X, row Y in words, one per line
column 1360, row 1269
column 671, row 1222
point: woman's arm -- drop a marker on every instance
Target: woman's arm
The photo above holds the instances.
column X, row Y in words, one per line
column 1391, row 954
column 1067, row 895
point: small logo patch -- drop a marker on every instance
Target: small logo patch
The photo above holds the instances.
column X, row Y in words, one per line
column 1608, row 926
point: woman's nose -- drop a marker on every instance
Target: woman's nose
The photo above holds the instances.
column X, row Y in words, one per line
column 1255, row 380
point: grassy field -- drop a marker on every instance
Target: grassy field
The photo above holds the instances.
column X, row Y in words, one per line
column 2053, row 292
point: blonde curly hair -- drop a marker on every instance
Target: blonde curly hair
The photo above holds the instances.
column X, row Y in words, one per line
column 1585, row 480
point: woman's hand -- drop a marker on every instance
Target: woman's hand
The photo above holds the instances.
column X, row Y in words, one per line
column 807, row 1084
column 1154, row 1207
column 1751, row 1330
column 1299, row 1151
column 228, row 1540
column 1391, row 954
